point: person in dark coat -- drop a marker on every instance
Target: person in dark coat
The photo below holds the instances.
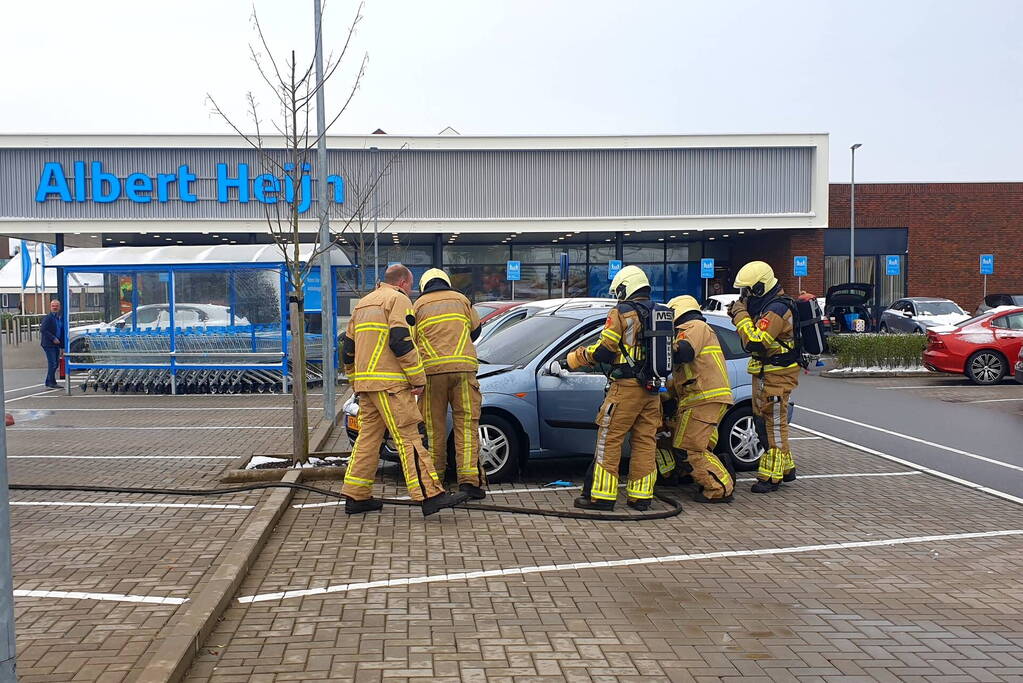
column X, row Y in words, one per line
column 51, row 338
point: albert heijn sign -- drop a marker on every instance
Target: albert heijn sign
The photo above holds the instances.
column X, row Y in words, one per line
column 82, row 183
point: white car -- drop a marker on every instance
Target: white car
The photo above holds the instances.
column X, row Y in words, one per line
column 513, row 316
column 916, row 314
column 717, row 304
column 157, row 316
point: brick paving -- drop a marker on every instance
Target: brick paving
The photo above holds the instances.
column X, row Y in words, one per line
column 935, row 611
column 162, row 552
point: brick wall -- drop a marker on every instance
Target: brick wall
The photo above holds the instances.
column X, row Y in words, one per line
column 778, row 248
column 950, row 225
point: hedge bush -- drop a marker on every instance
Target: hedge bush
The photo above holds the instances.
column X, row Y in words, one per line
column 877, row 350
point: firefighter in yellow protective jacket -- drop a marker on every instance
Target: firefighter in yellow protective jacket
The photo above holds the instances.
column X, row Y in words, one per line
column 702, row 392
column 629, row 407
column 765, row 326
column 446, row 326
column 384, row 367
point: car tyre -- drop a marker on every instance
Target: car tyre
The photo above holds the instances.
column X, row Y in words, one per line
column 738, row 440
column 499, row 448
column 986, row 367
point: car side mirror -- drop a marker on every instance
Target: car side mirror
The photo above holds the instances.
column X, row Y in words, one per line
column 554, row 369
column 907, row 314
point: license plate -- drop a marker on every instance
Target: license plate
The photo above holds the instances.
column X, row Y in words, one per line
column 353, row 422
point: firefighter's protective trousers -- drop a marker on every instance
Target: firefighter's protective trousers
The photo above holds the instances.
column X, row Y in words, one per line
column 395, row 412
column 696, row 434
column 627, row 409
column 771, row 393
column 460, row 390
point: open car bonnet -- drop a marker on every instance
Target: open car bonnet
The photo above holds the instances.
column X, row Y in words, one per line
column 849, row 294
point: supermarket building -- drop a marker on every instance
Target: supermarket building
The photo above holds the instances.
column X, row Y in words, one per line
column 470, row 204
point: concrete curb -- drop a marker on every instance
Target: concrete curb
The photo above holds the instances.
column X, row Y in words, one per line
column 195, row 620
column 909, row 373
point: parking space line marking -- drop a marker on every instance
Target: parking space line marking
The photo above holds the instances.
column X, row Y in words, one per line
column 939, row 386
column 907, row 437
column 802, row 438
column 201, row 506
column 517, row 571
column 994, row 400
column 133, row 429
column 127, row 457
column 927, row 470
column 77, row 595
column 302, row 506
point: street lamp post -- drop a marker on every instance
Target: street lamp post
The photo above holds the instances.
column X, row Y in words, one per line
column 852, row 214
column 327, row 292
column 376, row 216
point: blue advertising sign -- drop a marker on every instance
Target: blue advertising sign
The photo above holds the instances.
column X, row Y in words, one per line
column 706, row 268
column 613, row 266
column 514, row 271
column 987, row 264
column 892, row 264
column 564, row 265
column 311, row 291
column 800, row 264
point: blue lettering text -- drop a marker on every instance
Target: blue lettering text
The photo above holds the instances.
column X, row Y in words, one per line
column 101, row 181
column 53, row 181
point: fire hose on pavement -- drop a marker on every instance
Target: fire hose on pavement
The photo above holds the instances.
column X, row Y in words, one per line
column 675, row 508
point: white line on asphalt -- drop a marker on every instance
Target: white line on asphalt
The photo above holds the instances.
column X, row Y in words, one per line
column 30, row 386
column 994, row 400
column 802, row 438
column 517, row 571
column 907, row 463
column 127, row 457
column 550, row 489
column 76, row 595
column 130, row 429
column 200, row 506
column 36, row 395
column 908, row 438
column 939, row 386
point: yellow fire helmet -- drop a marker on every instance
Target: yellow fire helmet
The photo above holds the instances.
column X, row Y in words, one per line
column 756, row 278
column 433, row 274
column 682, row 305
column 627, row 281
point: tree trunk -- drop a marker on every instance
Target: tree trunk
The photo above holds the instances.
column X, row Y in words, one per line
column 299, row 388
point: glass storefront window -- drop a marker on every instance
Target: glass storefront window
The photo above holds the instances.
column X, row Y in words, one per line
column 643, row 251
column 538, row 253
column 683, row 251
column 603, row 252
column 458, row 254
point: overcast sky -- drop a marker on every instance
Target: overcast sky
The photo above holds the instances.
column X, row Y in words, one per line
column 933, row 90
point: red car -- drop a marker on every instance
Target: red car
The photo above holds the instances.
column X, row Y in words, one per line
column 490, row 309
column 983, row 348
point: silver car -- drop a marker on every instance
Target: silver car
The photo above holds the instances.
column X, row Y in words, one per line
column 533, row 407
column 913, row 315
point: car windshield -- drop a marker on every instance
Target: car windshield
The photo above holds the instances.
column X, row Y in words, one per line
column 521, row 343
column 937, row 308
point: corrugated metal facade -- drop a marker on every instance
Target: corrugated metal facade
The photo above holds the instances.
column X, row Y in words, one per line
column 457, row 184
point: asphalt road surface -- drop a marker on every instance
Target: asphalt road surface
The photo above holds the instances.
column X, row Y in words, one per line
column 963, row 440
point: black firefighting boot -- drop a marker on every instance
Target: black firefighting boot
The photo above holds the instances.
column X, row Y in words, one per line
column 437, row 503
column 474, row 492
column 764, row 487
column 356, row 507
column 640, row 505
column 790, row 475
column 584, row 503
column 700, row 498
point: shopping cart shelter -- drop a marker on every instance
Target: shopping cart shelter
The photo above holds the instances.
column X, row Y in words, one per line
column 186, row 319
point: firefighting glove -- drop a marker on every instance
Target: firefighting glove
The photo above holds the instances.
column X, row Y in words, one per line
column 576, row 359
column 735, row 308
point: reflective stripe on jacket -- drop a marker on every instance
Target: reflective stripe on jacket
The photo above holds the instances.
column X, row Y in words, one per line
column 445, row 322
column 705, row 378
column 385, row 355
column 769, row 335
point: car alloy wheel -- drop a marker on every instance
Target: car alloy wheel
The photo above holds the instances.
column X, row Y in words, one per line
column 986, row 367
column 743, row 442
column 495, row 448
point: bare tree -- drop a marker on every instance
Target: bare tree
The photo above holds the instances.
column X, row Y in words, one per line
column 285, row 158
